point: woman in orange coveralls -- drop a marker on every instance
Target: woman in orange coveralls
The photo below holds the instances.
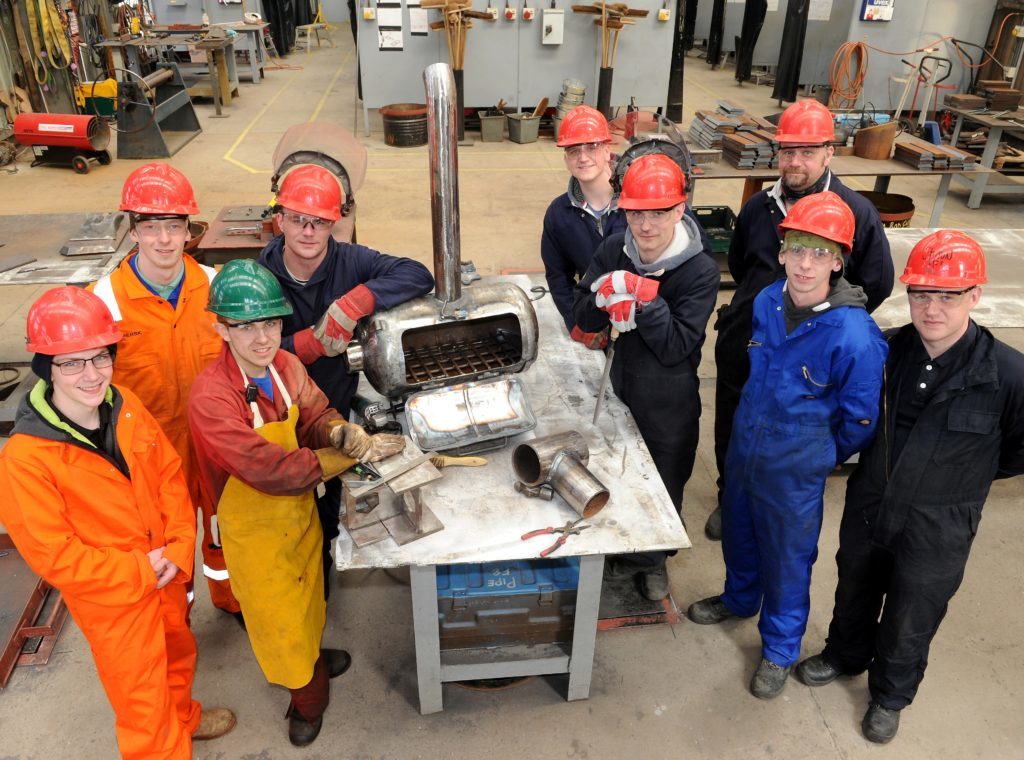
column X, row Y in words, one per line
column 92, row 494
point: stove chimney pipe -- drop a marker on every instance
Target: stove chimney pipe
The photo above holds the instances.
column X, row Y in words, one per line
column 444, row 182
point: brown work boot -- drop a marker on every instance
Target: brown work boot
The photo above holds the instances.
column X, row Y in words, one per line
column 215, row 722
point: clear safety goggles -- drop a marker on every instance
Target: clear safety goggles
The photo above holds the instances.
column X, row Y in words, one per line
column 269, row 326
column 814, row 255
column 588, row 149
column 301, row 220
column 947, row 298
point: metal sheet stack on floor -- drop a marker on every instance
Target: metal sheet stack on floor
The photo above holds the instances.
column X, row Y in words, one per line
column 746, row 141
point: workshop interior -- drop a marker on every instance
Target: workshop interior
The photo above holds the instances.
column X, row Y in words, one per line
column 472, row 578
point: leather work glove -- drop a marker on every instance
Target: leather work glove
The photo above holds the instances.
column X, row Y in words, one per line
column 333, row 462
column 622, row 282
column 594, row 341
column 355, row 442
column 621, row 310
column 334, row 330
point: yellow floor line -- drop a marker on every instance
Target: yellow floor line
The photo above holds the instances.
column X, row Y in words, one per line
column 249, row 127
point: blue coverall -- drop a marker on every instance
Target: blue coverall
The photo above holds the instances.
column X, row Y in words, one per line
column 810, row 402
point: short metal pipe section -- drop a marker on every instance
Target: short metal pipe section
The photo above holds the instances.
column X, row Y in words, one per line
column 577, row 485
column 560, row 460
column 533, row 460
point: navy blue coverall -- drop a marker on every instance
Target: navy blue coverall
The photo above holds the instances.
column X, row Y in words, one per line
column 654, row 372
column 811, row 401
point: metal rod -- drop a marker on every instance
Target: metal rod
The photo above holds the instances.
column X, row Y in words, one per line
column 444, row 185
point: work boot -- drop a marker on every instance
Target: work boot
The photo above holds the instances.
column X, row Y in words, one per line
column 213, row 722
column 301, row 732
column 617, row 571
column 710, row 611
column 337, row 661
column 654, row 584
column 817, row 671
column 769, row 679
column 713, row 527
column 880, row 724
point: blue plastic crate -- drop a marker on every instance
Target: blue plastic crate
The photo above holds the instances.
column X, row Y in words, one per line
column 508, row 578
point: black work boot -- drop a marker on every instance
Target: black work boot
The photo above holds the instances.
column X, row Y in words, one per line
column 654, row 584
column 817, row 671
column 769, row 679
column 713, row 527
column 337, row 661
column 880, row 724
column 301, row 732
column 710, row 611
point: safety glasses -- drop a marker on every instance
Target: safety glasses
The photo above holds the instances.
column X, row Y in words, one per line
column 921, row 298
column 301, row 220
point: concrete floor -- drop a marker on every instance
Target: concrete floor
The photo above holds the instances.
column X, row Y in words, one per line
column 660, row 691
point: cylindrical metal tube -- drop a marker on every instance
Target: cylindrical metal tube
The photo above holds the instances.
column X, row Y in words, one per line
column 355, row 357
column 444, row 184
column 158, row 77
column 604, row 92
column 577, row 485
column 533, row 460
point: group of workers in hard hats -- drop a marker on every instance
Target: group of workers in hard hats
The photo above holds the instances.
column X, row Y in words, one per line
column 805, row 379
column 164, row 393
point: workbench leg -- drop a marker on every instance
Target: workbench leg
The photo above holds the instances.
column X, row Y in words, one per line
column 988, row 157
column 882, row 183
column 940, row 200
column 584, row 631
column 225, row 76
column 211, row 64
column 423, row 583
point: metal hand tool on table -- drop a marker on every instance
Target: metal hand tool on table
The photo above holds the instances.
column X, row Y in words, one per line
column 604, row 375
column 569, row 529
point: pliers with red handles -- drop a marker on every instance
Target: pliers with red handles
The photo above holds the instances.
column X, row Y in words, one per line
column 569, row 529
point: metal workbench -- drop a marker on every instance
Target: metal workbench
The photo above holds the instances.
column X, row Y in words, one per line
column 484, row 519
column 1010, row 122
column 848, row 166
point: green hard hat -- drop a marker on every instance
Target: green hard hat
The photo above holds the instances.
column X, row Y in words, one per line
column 246, row 291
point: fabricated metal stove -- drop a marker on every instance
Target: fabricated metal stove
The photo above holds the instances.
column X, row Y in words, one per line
column 463, row 345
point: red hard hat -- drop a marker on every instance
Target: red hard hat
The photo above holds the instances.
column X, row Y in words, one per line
column 806, row 122
column 581, row 125
column 823, row 214
column 311, row 189
column 68, row 319
column 652, row 181
column 945, row 259
column 158, row 188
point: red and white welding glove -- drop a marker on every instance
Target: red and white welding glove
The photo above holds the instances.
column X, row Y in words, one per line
column 334, row 330
column 594, row 341
column 621, row 310
column 307, row 347
column 622, row 282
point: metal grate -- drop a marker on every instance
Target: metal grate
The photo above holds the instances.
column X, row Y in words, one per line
column 460, row 358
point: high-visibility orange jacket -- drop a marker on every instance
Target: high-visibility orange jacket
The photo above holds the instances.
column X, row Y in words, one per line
column 163, row 350
column 86, row 528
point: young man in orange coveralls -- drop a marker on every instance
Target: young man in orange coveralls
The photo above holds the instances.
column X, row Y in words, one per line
column 158, row 298
column 266, row 437
column 93, row 496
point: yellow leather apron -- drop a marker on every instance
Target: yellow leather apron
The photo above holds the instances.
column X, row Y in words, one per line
column 272, row 548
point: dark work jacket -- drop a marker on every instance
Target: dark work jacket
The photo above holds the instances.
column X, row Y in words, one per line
column 665, row 346
column 970, row 432
column 754, row 256
column 391, row 279
column 568, row 242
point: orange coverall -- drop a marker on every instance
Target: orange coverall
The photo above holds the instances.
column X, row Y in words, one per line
column 85, row 528
column 162, row 352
